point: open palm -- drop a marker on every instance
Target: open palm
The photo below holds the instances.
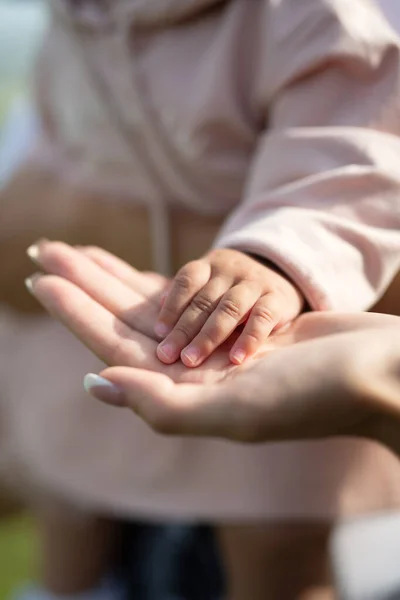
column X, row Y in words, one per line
column 112, row 309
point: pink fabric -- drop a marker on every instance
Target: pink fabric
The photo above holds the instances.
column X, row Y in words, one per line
column 323, row 199
column 283, row 114
column 273, row 136
column 391, row 10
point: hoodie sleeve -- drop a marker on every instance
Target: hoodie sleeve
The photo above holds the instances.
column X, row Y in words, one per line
column 323, row 196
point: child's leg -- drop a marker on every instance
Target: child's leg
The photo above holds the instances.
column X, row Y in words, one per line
column 281, row 561
column 76, row 554
column 77, row 551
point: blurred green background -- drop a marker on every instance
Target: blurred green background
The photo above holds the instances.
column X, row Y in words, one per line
column 21, row 26
column 18, row 551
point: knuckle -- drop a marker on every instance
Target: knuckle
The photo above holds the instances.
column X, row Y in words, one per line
column 191, row 277
column 183, row 329
column 230, row 308
column 263, row 315
column 192, row 267
column 184, row 281
column 252, row 338
column 203, row 304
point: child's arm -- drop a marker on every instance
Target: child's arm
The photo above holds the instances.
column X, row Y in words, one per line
column 323, row 198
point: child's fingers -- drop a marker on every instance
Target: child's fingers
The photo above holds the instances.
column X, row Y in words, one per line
column 192, row 319
column 228, row 314
column 187, row 283
column 264, row 317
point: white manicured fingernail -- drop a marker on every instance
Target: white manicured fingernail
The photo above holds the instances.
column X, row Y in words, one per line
column 29, row 283
column 103, row 390
column 33, row 252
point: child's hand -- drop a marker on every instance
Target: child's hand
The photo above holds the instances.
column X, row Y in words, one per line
column 210, row 297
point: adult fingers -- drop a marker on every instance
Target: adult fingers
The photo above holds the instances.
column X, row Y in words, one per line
column 128, row 305
column 148, row 283
column 114, row 342
column 169, row 408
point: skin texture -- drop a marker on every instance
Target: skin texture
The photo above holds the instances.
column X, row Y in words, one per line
column 324, row 375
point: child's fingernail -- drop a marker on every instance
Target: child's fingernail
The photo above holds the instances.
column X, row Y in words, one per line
column 103, row 390
column 30, row 282
column 167, row 352
column 162, row 330
column 238, row 356
column 191, row 355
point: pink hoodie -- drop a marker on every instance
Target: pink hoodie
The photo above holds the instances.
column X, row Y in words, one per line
column 284, row 114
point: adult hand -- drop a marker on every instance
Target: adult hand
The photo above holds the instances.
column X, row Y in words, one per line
column 321, row 380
